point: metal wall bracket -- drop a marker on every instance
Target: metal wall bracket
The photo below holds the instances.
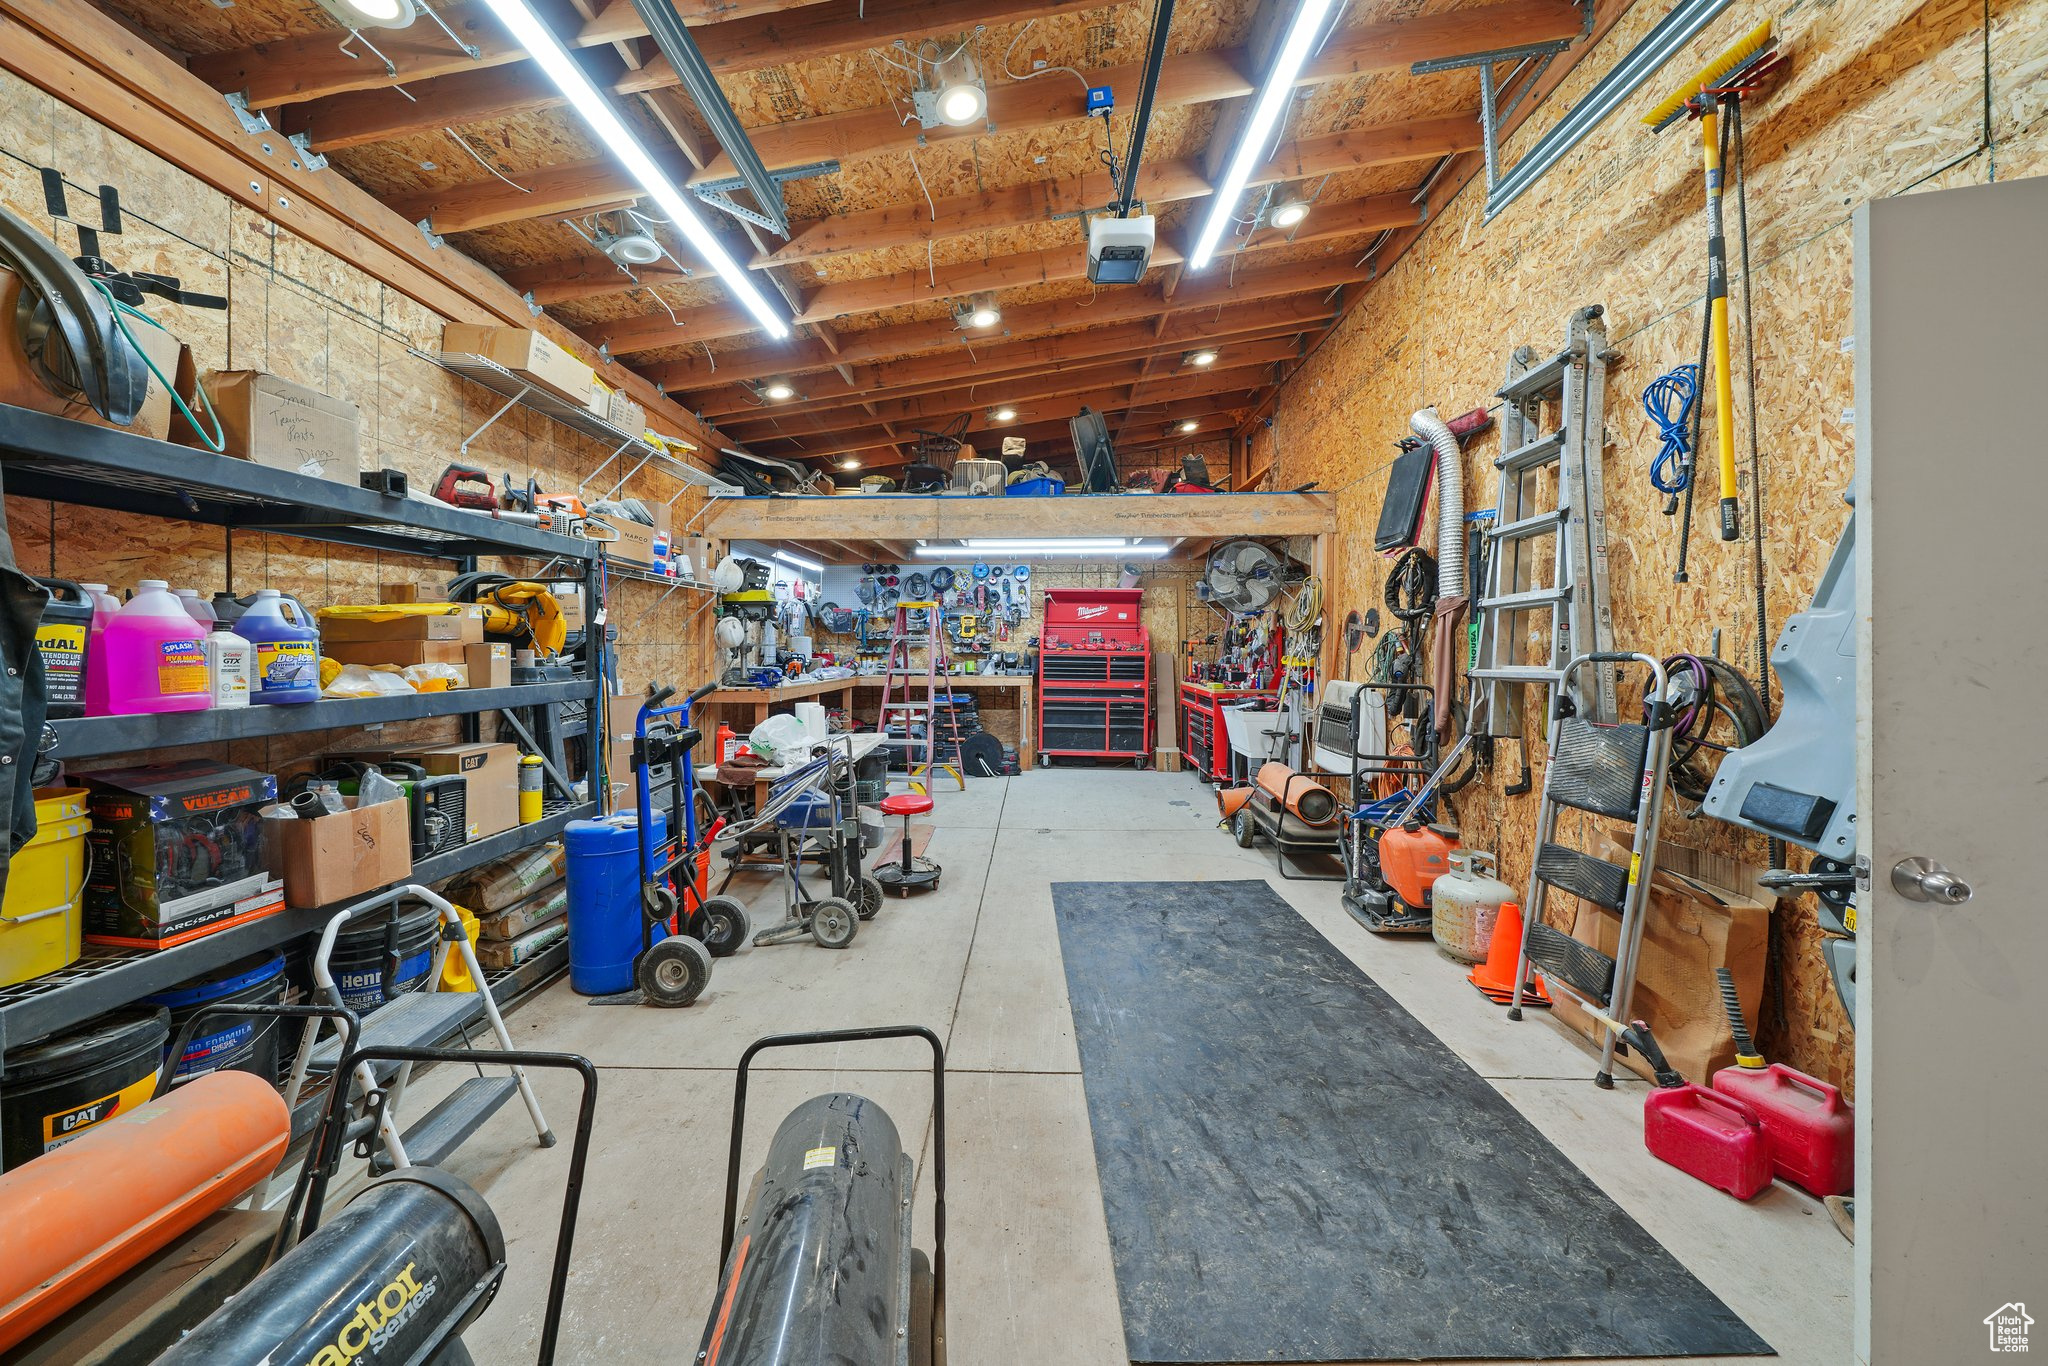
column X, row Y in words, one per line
column 312, row 160
column 426, row 227
column 532, row 305
column 252, row 120
column 718, row 199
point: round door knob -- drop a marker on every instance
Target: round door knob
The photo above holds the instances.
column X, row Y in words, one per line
column 1922, row 879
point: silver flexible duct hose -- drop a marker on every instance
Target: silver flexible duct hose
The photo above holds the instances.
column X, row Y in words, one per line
column 1450, row 503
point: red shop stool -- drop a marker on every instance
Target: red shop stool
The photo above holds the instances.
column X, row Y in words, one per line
column 913, row 874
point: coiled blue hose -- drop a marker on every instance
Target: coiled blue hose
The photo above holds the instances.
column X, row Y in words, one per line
column 1669, row 401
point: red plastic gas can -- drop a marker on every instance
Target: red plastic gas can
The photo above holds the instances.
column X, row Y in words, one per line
column 1714, row 1137
column 1808, row 1128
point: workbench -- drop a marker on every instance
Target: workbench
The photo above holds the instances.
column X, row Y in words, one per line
column 749, row 707
column 1203, row 740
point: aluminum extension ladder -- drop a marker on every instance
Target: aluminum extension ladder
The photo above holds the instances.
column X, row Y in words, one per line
column 1617, row 770
column 901, row 685
column 1514, row 647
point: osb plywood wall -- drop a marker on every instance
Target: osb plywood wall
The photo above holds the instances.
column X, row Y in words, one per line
column 1883, row 97
column 316, row 319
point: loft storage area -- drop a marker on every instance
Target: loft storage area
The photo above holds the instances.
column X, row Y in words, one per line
column 1203, row 682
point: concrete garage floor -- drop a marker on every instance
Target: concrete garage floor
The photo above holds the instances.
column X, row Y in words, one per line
column 1030, row 1276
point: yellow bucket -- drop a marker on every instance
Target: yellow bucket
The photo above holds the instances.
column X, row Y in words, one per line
column 40, row 917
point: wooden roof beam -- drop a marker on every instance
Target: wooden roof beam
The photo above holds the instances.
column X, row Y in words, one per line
column 459, row 95
column 1293, row 290
column 996, row 365
column 1185, row 78
column 649, row 331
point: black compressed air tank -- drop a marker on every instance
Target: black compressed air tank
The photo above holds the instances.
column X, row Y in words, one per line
column 820, row 1267
column 394, row 1277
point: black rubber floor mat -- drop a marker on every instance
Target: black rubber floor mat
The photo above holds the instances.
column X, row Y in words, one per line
column 1294, row 1169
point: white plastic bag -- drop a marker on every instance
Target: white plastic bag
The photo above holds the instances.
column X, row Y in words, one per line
column 360, row 680
column 779, row 733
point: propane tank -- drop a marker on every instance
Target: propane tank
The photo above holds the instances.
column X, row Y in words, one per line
column 405, row 1268
column 1464, row 904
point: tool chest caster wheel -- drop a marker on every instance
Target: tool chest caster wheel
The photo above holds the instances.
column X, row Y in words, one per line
column 674, row 972
column 726, row 926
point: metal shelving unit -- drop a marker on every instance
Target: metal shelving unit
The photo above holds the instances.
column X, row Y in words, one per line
column 53, row 458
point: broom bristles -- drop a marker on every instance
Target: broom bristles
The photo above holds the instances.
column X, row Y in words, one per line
column 1674, row 104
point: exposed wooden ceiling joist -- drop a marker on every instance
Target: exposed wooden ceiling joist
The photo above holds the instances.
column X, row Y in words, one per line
column 366, row 115
column 648, row 332
column 1301, row 287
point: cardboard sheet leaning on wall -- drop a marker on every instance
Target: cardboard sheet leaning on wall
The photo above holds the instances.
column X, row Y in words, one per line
column 1694, row 926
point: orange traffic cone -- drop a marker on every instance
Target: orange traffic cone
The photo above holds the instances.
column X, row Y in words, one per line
column 1495, row 978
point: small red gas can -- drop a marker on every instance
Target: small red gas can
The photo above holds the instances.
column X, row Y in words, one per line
column 1714, row 1137
column 1808, row 1128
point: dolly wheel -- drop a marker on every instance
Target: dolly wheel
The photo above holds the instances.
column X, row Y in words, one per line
column 1242, row 829
column 674, row 972
column 834, row 922
column 661, row 904
column 927, row 1337
column 868, row 898
column 726, row 927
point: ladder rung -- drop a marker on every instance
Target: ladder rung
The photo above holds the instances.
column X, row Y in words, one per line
column 1542, row 524
column 1517, row 673
column 1522, row 602
column 1539, row 381
column 1542, row 451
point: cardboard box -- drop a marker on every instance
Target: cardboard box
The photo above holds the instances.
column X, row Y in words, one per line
column 490, row 663
column 176, row 852
column 599, row 403
column 493, row 774
column 635, row 544
column 397, row 593
column 349, row 854
column 271, row 421
column 465, row 627
column 625, row 414
column 525, row 353
column 398, row 652
column 570, row 596
column 20, row 386
column 698, row 551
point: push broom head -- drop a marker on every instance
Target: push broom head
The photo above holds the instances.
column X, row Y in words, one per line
column 1755, row 45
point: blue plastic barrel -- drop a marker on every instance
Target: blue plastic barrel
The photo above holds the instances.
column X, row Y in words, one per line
column 604, row 900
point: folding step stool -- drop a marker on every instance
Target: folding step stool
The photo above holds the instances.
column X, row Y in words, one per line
column 412, row 1019
column 1608, row 769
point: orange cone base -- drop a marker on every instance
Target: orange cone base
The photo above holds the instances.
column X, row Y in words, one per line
column 1495, row 978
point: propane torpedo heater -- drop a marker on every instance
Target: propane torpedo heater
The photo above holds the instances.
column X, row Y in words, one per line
column 1701, row 97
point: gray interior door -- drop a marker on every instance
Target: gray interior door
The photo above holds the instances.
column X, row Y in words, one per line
column 1952, row 497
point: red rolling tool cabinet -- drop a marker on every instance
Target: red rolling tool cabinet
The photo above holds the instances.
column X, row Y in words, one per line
column 1094, row 676
column 1204, row 744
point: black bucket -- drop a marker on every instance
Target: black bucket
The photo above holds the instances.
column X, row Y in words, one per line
column 62, row 637
column 56, row 1090
column 358, row 961
column 223, row 1043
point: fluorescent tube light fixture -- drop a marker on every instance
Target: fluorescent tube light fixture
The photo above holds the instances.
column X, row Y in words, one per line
column 1258, row 130
column 1032, row 549
column 799, row 562
column 612, row 134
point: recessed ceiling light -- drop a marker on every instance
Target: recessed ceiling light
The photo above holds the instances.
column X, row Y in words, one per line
column 1205, row 356
column 778, row 390
column 962, row 98
column 372, row 13
column 1288, row 214
column 849, row 464
column 1004, row 415
column 978, row 311
column 1189, row 425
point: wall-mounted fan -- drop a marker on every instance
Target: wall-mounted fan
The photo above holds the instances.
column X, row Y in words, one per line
column 1242, row 576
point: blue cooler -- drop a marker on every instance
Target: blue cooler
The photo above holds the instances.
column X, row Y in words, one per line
column 604, row 900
